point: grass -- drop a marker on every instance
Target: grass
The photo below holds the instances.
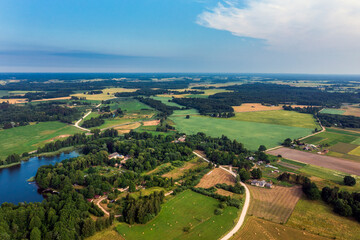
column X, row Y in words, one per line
column 332, row 137
column 318, row 218
column 28, row 138
column 112, row 122
column 187, row 209
column 332, row 111
column 279, row 117
column 251, row 134
column 165, row 100
column 355, row 151
column 129, row 105
column 256, row 228
column 108, row 233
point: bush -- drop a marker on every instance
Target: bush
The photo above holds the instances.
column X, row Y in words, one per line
column 218, row 211
column 186, row 229
column 349, row 181
column 222, row 205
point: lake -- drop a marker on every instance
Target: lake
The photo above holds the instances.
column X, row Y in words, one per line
column 14, row 187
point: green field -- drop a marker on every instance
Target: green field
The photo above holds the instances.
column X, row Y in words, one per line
column 28, row 138
column 318, row 218
column 332, row 111
column 129, row 105
column 332, row 137
column 280, row 117
column 185, row 209
column 251, row 134
column 165, row 100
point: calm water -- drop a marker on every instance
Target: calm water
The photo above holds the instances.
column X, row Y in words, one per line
column 13, row 185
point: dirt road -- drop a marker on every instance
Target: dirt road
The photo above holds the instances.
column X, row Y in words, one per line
column 79, row 121
column 337, row 164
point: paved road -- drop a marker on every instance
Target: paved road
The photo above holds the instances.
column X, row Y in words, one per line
column 337, row 164
column 245, row 207
column 79, row 121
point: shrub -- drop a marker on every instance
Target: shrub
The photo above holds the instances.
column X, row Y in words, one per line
column 218, row 211
column 349, row 181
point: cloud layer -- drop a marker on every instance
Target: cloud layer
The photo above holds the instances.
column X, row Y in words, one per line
column 297, row 25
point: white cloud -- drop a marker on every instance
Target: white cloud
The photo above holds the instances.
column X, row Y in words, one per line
column 299, row 25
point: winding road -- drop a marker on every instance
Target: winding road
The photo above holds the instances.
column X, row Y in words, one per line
column 79, row 121
column 245, row 207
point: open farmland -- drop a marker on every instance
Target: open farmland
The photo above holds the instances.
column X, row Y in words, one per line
column 260, row 229
column 318, row 218
column 333, row 163
column 29, row 138
column 279, row 117
column 126, row 128
column 187, row 209
column 274, row 204
column 108, row 93
column 217, row 175
column 251, row 134
column 179, row 172
column 350, row 110
column 14, row 100
column 332, row 111
column 255, row 107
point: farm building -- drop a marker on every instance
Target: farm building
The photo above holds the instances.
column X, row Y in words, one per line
column 261, row 183
column 115, row 155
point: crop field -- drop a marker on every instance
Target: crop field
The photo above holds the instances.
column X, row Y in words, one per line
column 114, row 122
column 274, row 204
column 251, row 134
column 187, row 209
column 165, row 100
column 130, row 105
column 217, row 175
column 355, row 151
column 260, row 229
column 104, row 95
column 14, row 100
column 29, row 138
column 333, row 111
column 337, row 164
column 255, row 107
column 127, row 128
column 318, row 218
column 279, row 117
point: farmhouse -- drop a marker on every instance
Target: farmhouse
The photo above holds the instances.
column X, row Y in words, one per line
column 115, row 155
column 261, row 183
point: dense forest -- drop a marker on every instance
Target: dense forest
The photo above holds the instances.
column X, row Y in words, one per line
column 93, row 122
column 276, row 94
column 330, row 120
column 207, row 106
column 152, row 92
column 158, row 105
column 12, row 115
column 41, row 95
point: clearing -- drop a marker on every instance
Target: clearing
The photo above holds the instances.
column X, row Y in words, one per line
column 217, row 175
column 332, row 111
column 151, row 123
column 251, row 134
column 14, row 100
column 274, row 204
column 30, row 137
column 187, row 209
column 333, row 163
column 319, row 218
column 260, row 229
column 127, row 128
column 179, row 172
column 104, row 95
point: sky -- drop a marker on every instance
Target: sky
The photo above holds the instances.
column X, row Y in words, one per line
column 237, row 36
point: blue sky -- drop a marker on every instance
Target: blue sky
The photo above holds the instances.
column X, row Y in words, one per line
column 179, row 36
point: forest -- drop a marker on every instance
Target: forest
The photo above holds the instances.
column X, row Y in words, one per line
column 158, row 105
column 276, row 94
column 344, row 121
column 12, row 115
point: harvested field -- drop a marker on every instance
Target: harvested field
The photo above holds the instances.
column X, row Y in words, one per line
column 254, row 107
column 343, row 147
column 274, row 204
column 14, row 101
column 224, row 192
column 216, row 176
column 337, row 164
column 352, row 110
column 51, row 99
column 151, row 123
column 259, row 229
column 127, row 128
column 178, row 172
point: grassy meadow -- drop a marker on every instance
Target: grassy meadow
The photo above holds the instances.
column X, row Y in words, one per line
column 108, row 93
column 318, row 218
column 252, row 134
column 187, row 209
column 333, row 111
column 29, row 138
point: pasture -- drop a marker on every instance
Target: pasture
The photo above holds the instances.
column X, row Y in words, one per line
column 279, row 117
column 332, row 111
column 260, row 229
column 251, row 134
column 274, row 204
column 179, row 172
column 30, row 137
column 187, row 209
column 318, row 218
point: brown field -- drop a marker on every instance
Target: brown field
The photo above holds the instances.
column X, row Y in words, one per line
column 58, row 137
column 51, row 99
column 178, row 172
column 14, row 101
column 259, row 229
column 274, row 204
column 353, row 110
column 127, row 128
column 108, row 233
column 255, row 107
column 224, row 192
column 216, row 176
column 151, row 123
column 337, row 164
